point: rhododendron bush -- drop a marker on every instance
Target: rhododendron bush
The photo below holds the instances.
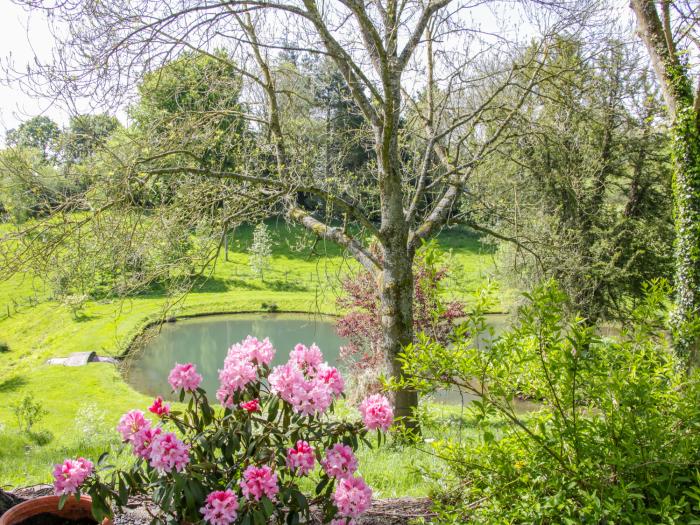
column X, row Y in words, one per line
column 244, row 459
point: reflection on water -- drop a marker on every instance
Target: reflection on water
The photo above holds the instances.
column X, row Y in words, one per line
column 205, row 342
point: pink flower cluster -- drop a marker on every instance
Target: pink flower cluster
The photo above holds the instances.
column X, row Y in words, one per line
column 340, row 462
column 159, row 408
column 70, row 474
column 259, row 352
column 235, row 376
column 377, row 412
column 352, row 496
column 240, row 367
column 332, row 378
column 301, row 459
column 185, row 377
column 167, row 452
column 136, row 430
column 143, row 441
column 131, row 424
column 306, row 357
column 221, row 507
column 306, row 382
column 258, row 482
column 164, row 451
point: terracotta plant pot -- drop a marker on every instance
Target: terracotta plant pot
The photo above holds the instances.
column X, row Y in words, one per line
column 72, row 510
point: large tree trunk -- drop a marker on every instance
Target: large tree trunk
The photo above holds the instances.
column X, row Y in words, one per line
column 396, row 295
column 684, row 110
column 396, row 276
column 686, row 190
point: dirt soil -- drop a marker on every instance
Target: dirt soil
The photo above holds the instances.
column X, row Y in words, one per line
column 399, row 511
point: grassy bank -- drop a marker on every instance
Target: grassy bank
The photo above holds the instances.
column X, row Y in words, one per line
column 83, row 404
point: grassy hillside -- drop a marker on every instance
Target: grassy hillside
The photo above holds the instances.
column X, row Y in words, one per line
column 83, row 404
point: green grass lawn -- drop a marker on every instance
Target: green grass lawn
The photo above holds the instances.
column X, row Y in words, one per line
column 83, row 404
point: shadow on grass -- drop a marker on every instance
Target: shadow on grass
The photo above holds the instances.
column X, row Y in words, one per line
column 210, row 285
column 199, row 285
column 82, row 318
column 244, row 284
column 12, row 384
column 281, row 286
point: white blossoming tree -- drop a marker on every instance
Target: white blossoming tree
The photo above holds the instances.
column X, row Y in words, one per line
column 260, row 250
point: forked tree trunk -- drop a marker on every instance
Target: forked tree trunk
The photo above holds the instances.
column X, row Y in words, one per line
column 396, row 275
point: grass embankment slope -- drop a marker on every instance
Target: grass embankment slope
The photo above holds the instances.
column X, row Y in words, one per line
column 83, row 404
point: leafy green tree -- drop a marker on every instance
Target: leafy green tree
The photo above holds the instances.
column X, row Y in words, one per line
column 347, row 144
column 85, row 134
column 40, row 133
column 583, row 195
column 192, row 104
column 29, row 186
column 153, row 231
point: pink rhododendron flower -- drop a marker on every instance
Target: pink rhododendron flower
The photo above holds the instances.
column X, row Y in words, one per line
column 301, row 459
column 309, row 389
column 377, row 412
column 288, row 382
column 258, row 482
column 285, row 379
column 251, row 406
column 168, row 453
column 131, row 423
column 236, row 375
column 253, row 350
column 221, row 507
column 185, row 377
column 352, row 496
column 311, row 397
column 331, row 376
column 259, row 352
column 306, row 357
column 142, row 441
column 340, row 462
column 70, row 474
column 159, row 408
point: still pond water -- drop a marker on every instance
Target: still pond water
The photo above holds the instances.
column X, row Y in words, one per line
column 205, row 342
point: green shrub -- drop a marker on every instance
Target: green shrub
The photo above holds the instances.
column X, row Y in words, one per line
column 615, row 438
column 27, row 412
column 4, row 347
column 270, row 307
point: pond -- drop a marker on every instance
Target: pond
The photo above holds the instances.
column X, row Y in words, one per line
column 205, row 341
